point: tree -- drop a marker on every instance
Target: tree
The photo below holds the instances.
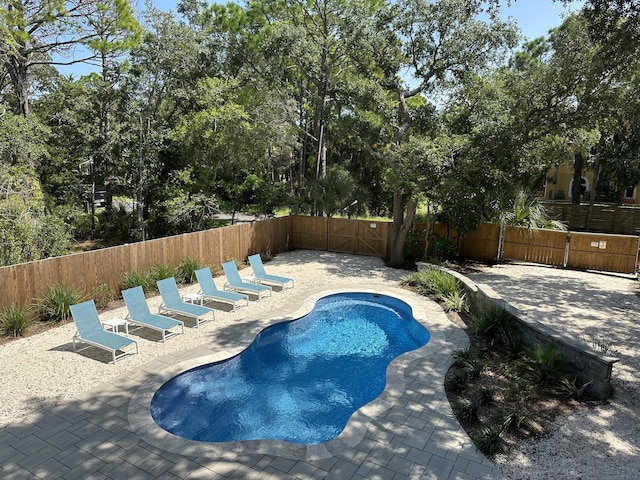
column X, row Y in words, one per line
column 441, row 43
column 34, row 31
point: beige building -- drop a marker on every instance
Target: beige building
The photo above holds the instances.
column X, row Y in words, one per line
column 560, row 183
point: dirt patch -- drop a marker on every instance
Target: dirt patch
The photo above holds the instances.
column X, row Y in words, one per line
column 501, row 403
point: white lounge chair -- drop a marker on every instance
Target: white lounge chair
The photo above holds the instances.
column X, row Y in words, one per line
column 208, row 290
column 172, row 302
column 264, row 278
column 139, row 314
column 91, row 331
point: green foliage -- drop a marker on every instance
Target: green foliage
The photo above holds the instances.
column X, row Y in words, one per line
column 441, row 247
column 521, row 391
column 512, row 419
column 572, row 388
column 488, row 440
column 456, row 381
column 546, row 364
column 161, row 271
column 186, row 270
column 496, row 327
column 482, row 396
column 103, row 294
column 15, row 320
column 455, row 301
column 466, row 409
column 139, row 278
column 54, row 305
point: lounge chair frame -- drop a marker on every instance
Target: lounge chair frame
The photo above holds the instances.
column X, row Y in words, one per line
column 209, row 291
column 264, row 278
column 172, row 303
column 140, row 315
column 234, row 282
column 90, row 331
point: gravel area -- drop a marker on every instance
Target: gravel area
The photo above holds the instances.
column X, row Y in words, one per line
column 39, row 372
column 603, row 442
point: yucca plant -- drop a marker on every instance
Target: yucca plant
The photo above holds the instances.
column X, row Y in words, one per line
column 466, row 409
column 138, row 278
column 186, row 271
column 54, row 306
column 15, row 320
column 496, row 327
column 456, row 301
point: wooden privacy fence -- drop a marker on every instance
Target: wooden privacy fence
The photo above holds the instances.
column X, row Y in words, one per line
column 24, row 283
column 581, row 250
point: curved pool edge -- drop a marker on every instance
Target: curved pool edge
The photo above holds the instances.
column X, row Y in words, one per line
column 427, row 312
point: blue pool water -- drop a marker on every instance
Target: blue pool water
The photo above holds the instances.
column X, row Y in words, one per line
column 299, row 381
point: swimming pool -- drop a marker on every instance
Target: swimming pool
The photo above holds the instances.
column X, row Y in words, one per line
column 299, row 381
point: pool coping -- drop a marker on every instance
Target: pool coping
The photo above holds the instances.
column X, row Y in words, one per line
column 427, row 312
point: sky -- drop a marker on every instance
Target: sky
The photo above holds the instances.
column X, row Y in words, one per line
column 534, row 18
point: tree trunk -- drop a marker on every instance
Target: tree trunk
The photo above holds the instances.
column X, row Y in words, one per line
column 576, row 190
column 17, row 68
column 402, row 224
column 594, row 185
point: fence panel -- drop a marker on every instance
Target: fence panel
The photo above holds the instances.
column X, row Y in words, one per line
column 309, row 232
column 537, row 246
column 372, row 238
column 610, row 253
column 342, row 235
column 481, row 244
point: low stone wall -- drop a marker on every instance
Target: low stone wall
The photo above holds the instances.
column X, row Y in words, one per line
column 588, row 363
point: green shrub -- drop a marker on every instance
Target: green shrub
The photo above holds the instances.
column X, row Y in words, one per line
column 513, row 420
column 546, row 364
column 103, row 294
column 138, row 278
column 186, row 271
column 483, row 396
column 161, row 271
column 466, row 410
column 496, row 327
column 456, row 301
column 488, row 440
column 434, row 281
column 456, row 381
column 54, row 306
column 571, row 388
column 15, row 320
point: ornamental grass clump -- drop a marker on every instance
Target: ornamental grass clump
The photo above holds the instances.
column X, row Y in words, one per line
column 443, row 285
column 54, row 306
column 15, row 320
column 137, row 278
column 186, row 271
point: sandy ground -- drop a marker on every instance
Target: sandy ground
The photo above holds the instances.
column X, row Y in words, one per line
column 41, row 371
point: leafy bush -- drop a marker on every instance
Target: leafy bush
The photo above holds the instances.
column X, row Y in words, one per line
column 466, row 409
column 161, row 271
column 15, row 320
column 186, row 271
column 139, row 278
column 103, row 294
column 497, row 327
column 488, row 440
column 54, row 306
column 512, row 419
column 456, row 301
column 546, row 364
column 456, row 381
column 483, row 396
column 434, row 281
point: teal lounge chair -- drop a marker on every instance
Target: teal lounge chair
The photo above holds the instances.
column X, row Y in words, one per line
column 235, row 284
column 172, row 302
column 90, row 331
column 139, row 314
column 209, row 291
column 264, row 277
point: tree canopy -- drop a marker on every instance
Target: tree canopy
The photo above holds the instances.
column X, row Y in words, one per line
column 329, row 107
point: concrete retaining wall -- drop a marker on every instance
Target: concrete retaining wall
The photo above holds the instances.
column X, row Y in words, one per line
column 588, row 363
